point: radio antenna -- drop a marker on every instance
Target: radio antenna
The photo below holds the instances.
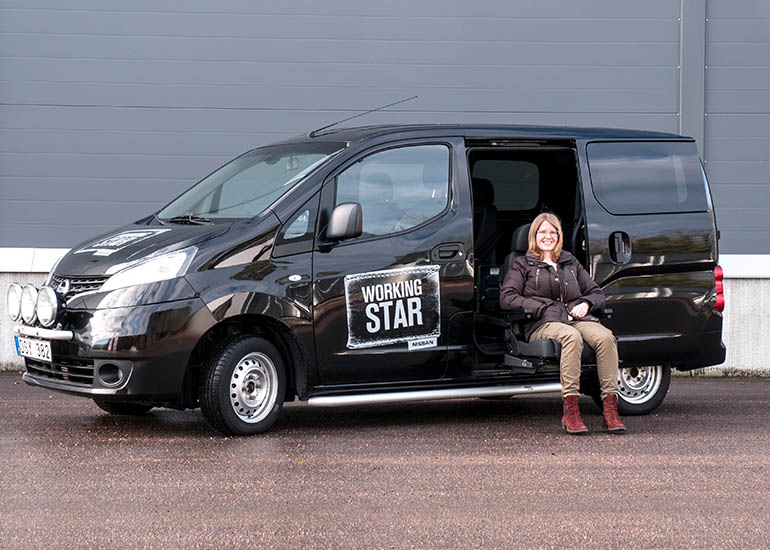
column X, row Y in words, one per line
column 315, row 132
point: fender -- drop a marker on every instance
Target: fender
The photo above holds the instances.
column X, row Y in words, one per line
column 276, row 290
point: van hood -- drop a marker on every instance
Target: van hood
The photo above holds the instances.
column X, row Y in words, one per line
column 130, row 243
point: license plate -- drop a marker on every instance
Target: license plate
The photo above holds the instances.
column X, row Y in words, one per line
column 35, row 349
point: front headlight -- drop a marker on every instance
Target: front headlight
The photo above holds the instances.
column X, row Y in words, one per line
column 13, row 301
column 153, row 269
column 47, row 306
column 28, row 302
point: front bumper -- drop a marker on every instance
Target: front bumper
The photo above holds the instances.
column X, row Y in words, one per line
column 66, row 387
column 44, row 333
column 136, row 353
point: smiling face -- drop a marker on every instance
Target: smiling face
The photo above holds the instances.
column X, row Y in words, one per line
column 544, row 238
column 547, row 237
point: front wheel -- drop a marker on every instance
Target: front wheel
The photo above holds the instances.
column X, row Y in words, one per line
column 244, row 387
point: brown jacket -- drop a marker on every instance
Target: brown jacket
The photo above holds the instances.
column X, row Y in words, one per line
column 533, row 284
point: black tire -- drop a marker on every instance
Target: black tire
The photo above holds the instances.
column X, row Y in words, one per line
column 122, row 407
column 242, row 392
column 641, row 390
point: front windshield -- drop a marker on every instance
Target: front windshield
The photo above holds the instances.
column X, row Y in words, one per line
column 246, row 186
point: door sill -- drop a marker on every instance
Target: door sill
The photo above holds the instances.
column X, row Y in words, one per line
column 434, row 395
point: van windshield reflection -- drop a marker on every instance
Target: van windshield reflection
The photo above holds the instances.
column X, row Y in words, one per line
column 247, row 185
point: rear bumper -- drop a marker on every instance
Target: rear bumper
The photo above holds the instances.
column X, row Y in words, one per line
column 711, row 352
column 683, row 351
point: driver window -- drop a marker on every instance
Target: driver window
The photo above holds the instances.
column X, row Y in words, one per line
column 398, row 188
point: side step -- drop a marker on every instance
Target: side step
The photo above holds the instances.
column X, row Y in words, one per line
column 432, row 395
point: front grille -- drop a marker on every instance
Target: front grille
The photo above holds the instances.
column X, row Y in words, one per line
column 78, row 285
column 78, row 372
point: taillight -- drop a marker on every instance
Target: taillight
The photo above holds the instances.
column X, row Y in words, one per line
column 719, row 284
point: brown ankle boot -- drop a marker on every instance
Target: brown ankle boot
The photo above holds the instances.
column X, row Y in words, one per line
column 571, row 421
column 611, row 417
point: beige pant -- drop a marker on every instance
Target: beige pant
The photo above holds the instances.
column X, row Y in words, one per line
column 571, row 337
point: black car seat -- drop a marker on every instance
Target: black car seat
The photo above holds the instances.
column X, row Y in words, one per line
column 485, row 233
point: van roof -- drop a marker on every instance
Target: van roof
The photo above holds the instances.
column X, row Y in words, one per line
column 490, row 130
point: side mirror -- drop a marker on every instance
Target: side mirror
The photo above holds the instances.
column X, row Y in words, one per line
column 346, row 222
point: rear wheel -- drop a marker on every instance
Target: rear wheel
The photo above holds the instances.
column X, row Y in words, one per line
column 243, row 390
column 120, row 407
column 640, row 389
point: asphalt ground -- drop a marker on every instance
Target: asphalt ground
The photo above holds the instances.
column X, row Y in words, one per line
column 453, row 474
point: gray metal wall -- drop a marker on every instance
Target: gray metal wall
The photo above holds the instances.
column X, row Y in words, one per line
column 108, row 110
column 737, row 145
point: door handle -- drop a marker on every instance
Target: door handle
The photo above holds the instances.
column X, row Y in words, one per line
column 620, row 247
column 448, row 252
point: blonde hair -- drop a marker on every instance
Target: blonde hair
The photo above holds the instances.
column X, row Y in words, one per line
column 553, row 219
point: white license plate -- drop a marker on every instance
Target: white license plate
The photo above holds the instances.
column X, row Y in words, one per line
column 35, row 349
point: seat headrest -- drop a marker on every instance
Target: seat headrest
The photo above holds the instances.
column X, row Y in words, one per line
column 520, row 240
column 483, row 192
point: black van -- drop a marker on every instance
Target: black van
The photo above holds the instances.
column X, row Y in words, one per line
column 362, row 265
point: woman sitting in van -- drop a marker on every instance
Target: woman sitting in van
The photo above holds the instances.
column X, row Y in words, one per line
column 561, row 293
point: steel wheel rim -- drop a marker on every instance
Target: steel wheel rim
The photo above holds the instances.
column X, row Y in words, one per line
column 253, row 387
column 638, row 385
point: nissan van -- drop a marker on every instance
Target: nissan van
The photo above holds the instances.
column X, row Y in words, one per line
column 362, row 265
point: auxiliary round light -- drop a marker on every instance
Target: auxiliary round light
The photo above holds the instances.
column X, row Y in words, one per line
column 13, row 301
column 47, row 306
column 28, row 302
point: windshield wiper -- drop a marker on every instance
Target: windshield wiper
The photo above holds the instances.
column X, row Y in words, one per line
column 189, row 219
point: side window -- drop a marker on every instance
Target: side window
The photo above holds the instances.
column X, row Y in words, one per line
column 298, row 227
column 516, row 183
column 647, row 177
column 297, row 233
column 398, row 188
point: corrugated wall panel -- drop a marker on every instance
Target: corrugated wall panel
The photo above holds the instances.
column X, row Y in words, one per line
column 527, row 98
column 367, row 75
column 107, row 111
column 737, row 148
column 432, row 9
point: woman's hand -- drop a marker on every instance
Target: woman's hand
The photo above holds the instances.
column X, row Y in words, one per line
column 580, row 310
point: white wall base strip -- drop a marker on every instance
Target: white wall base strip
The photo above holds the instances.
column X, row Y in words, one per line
column 745, row 266
column 29, row 260
column 41, row 260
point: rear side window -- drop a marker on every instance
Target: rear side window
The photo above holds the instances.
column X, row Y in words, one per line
column 647, row 177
